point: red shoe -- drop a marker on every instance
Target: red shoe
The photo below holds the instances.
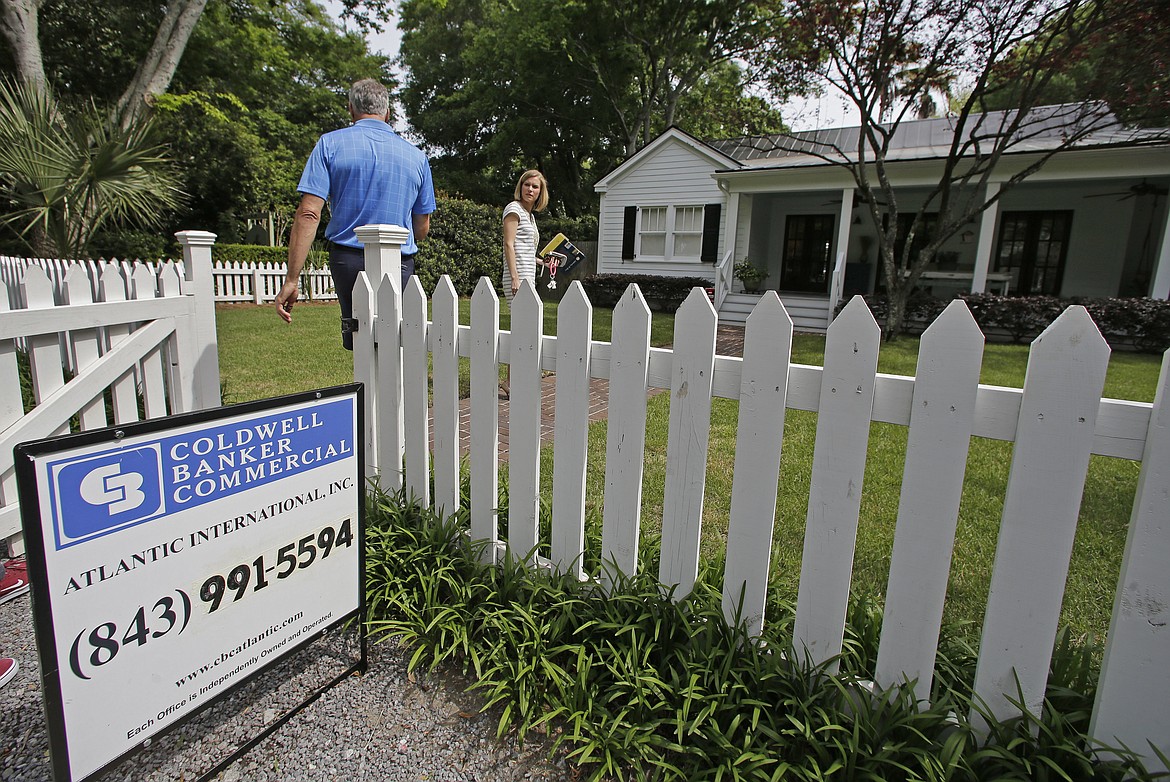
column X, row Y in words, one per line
column 8, row 669
column 15, row 581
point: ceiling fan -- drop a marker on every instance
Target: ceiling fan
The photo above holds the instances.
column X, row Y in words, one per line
column 1142, row 188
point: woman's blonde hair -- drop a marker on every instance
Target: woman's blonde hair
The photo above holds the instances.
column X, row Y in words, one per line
column 542, row 199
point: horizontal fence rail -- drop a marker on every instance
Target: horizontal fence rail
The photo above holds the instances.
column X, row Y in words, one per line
column 1056, row 422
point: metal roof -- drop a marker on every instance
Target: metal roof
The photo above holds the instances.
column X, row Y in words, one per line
column 1043, row 128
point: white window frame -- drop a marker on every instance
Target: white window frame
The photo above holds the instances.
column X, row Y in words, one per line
column 670, row 232
column 644, row 232
column 695, row 231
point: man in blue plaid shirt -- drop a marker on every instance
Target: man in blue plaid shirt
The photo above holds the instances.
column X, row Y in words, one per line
column 369, row 175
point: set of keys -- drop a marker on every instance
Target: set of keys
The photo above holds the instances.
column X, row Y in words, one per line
column 554, row 260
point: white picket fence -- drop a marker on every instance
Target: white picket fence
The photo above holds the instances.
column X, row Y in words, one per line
column 127, row 332
column 260, row 282
column 1056, row 422
column 232, row 281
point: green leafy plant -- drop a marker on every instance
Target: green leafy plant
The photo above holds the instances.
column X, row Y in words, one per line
column 633, row 683
column 69, row 173
column 749, row 274
column 662, row 294
column 1143, row 324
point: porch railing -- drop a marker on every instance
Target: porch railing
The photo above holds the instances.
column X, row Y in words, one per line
column 723, row 279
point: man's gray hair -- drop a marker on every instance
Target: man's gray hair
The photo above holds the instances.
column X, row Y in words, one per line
column 369, row 97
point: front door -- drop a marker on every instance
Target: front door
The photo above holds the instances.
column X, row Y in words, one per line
column 1032, row 246
column 808, row 253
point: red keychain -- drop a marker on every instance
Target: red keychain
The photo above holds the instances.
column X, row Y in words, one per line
column 554, row 260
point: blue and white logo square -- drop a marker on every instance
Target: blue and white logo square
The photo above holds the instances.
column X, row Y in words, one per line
column 98, row 494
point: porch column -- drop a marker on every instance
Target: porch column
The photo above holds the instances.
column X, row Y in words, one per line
column 837, row 273
column 1160, row 289
column 732, row 226
column 722, row 276
column 986, row 241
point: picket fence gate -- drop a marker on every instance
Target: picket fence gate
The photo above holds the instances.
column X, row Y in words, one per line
column 232, row 281
column 1056, row 422
column 129, row 333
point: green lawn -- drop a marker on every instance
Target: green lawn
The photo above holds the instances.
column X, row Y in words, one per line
column 261, row 357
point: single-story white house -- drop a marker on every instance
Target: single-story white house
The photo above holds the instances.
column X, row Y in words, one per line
column 1092, row 222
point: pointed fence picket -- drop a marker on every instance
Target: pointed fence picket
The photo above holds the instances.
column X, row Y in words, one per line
column 1058, row 414
column 763, row 389
column 626, row 435
column 834, row 503
column 445, row 396
column 686, row 441
column 1056, row 422
column 485, row 422
column 524, row 425
column 1133, row 688
column 945, row 387
column 571, row 429
column 414, row 364
column 141, row 341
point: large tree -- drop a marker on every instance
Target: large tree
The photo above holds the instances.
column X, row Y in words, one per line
column 493, row 87
column 647, row 55
column 490, row 93
column 20, row 28
column 1125, row 63
column 258, row 83
column 886, row 57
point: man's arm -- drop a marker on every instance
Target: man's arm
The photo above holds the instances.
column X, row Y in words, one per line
column 421, row 224
column 304, row 231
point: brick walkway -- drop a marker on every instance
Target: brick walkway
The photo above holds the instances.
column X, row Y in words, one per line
column 728, row 342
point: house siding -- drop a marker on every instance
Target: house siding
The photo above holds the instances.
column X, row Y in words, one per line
column 1098, row 239
column 1116, row 197
column 674, row 174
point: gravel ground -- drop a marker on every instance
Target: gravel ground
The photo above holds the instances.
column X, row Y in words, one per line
column 385, row 726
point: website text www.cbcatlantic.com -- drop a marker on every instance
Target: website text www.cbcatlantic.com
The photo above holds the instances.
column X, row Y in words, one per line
column 242, row 666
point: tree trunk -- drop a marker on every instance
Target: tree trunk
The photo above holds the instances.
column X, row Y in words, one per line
column 19, row 27
column 895, row 310
column 157, row 68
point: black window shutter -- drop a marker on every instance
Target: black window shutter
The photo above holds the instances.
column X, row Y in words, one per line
column 710, row 251
column 629, row 223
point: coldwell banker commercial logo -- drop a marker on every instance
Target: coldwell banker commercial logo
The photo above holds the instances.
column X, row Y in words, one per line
column 101, row 493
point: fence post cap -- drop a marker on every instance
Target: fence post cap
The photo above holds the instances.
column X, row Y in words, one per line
column 195, row 238
column 369, row 234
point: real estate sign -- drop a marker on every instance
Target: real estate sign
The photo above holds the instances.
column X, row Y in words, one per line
column 172, row 559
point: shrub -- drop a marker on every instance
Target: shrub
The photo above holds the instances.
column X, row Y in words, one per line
column 634, row 684
column 578, row 229
column 663, row 294
column 465, row 241
column 131, row 245
column 259, row 253
column 1143, row 324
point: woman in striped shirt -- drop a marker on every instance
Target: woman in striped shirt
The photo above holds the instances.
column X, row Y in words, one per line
column 521, row 239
